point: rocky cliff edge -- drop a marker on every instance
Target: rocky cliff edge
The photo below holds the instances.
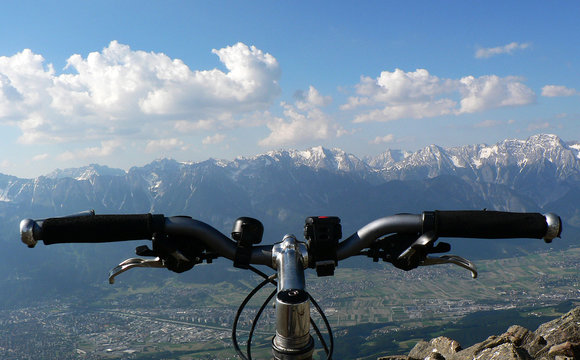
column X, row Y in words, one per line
column 558, row 339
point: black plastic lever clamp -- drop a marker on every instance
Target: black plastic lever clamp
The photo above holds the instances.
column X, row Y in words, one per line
column 429, row 222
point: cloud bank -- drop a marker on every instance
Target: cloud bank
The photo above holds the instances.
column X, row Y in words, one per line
column 120, row 91
column 119, row 98
column 303, row 121
column 418, row 94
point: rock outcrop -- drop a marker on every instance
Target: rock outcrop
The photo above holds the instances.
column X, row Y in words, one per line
column 555, row 340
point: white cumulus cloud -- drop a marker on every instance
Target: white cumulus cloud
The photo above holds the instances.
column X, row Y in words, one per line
column 311, row 99
column 419, row 94
column 302, row 122
column 410, row 111
column 505, row 49
column 120, row 91
column 558, row 90
column 398, row 87
column 250, row 84
column 491, row 91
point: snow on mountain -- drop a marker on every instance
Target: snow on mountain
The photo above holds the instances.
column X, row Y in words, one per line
column 428, row 162
column 386, row 159
column 533, row 150
column 7, row 183
column 485, row 163
column 576, row 148
column 334, row 159
column 542, row 168
column 316, row 158
column 320, row 158
column 85, row 172
column 476, row 162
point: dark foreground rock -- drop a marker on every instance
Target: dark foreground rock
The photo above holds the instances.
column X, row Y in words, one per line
column 555, row 340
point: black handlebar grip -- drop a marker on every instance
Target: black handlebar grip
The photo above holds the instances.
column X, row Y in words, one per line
column 100, row 228
column 495, row 224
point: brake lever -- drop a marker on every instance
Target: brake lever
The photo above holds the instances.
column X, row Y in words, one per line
column 451, row 259
column 134, row 262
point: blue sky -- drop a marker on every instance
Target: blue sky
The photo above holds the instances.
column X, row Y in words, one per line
column 122, row 83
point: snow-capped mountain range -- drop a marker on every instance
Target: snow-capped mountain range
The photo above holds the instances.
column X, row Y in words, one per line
column 471, row 161
column 474, row 161
column 543, row 168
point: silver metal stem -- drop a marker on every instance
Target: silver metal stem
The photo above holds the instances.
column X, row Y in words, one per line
column 292, row 340
column 290, row 258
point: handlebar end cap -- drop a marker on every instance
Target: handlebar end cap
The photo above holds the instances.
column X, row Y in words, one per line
column 27, row 229
column 554, row 227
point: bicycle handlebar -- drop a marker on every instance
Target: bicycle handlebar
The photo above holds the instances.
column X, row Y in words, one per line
column 180, row 242
column 469, row 224
column 91, row 228
column 363, row 238
column 495, row 224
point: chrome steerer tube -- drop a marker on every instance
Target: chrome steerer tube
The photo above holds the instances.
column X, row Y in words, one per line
column 293, row 340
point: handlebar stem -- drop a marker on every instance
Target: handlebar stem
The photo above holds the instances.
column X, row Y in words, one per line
column 292, row 340
column 290, row 258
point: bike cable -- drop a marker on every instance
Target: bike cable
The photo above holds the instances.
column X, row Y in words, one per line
column 269, row 279
column 328, row 328
column 256, row 318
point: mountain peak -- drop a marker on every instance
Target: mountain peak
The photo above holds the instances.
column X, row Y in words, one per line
column 331, row 159
column 385, row 159
column 546, row 138
column 86, row 172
